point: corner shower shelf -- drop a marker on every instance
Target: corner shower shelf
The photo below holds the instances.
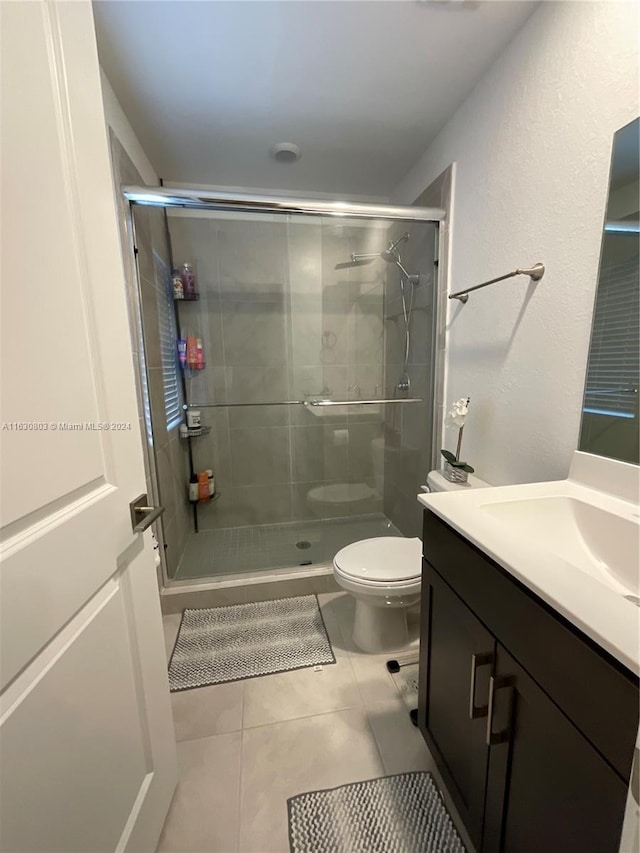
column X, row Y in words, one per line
column 190, row 372
column 214, row 497
column 196, row 433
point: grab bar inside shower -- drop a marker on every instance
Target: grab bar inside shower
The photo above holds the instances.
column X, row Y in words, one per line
column 313, row 403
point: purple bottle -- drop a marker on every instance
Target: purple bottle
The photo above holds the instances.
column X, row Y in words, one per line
column 189, row 281
column 182, row 352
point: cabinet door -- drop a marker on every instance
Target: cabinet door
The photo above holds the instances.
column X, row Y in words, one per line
column 548, row 788
column 456, row 660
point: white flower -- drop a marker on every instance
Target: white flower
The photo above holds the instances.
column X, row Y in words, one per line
column 457, row 415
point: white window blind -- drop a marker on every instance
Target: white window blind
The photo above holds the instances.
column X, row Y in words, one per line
column 171, row 384
column 612, row 373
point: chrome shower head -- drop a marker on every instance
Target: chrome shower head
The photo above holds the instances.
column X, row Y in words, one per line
column 390, row 255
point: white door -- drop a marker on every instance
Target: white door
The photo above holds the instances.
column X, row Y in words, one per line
column 87, row 751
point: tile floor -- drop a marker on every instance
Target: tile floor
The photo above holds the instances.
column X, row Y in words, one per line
column 268, row 546
column 246, row 746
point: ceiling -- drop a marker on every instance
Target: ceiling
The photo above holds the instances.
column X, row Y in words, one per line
column 362, row 87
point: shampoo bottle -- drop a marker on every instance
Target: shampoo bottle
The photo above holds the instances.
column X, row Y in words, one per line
column 193, row 488
column 192, row 352
column 189, row 281
column 203, row 486
column 178, row 285
column 194, row 418
column 182, row 352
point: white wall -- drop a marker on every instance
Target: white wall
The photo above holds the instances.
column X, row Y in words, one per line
column 119, row 123
column 532, row 146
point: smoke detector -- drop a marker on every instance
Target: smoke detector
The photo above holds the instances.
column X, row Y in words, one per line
column 285, row 152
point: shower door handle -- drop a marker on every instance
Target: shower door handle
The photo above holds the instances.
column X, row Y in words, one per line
column 143, row 516
column 362, row 402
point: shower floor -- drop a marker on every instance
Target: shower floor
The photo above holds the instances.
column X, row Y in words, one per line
column 235, row 550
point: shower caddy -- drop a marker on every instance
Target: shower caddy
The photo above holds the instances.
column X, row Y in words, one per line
column 187, row 372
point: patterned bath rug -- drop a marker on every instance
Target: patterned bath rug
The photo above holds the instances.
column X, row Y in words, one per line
column 395, row 814
column 219, row 644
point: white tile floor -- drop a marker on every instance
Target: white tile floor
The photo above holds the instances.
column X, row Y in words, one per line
column 246, row 746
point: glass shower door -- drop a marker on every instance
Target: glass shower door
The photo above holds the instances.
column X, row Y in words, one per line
column 296, row 337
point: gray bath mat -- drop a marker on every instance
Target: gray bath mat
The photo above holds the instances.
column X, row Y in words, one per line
column 221, row 644
column 395, row 814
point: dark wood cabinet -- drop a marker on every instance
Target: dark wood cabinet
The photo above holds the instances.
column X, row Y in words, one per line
column 531, row 725
column 547, row 787
column 459, row 650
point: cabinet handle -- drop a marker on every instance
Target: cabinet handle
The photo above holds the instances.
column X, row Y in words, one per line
column 500, row 683
column 476, row 711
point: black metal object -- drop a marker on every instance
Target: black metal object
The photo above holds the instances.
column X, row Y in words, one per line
column 183, row 381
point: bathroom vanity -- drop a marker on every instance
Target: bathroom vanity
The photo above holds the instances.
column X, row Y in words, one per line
column 531, row 719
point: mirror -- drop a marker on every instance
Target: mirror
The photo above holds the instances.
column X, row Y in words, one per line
column 610, row 410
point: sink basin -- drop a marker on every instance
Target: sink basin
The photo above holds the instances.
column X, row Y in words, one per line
column 600, row 543
column 574, row 543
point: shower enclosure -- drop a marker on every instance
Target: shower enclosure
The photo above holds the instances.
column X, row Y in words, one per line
column 316, row 388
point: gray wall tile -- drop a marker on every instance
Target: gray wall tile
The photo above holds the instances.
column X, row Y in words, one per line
column 261, row 456
column 149, row 299
column 261, row 504
column 254, row 333
column 249, row 417
column 257, row 384
column 252, row 258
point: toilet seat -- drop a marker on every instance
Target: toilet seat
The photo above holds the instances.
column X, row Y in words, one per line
column 382, row 561
column 377, row 587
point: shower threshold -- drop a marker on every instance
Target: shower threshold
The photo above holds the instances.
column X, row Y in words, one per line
column 258, row 548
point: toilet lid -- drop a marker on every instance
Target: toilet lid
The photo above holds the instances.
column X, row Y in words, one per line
column 385, row 558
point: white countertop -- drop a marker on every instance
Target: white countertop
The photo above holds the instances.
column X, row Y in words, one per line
column 598, row 610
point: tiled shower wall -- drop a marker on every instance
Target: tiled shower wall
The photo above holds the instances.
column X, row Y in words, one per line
column 279, row 322
column 170, row 452
column 408, row 428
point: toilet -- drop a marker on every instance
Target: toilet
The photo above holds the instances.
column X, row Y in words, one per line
column 384, row 575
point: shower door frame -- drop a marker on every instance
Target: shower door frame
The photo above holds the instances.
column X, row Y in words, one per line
column 176, row 197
